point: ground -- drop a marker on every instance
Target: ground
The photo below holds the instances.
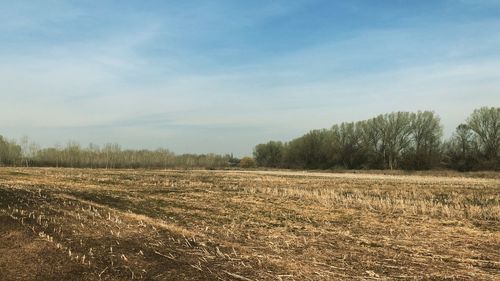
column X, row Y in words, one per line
column 83, row 224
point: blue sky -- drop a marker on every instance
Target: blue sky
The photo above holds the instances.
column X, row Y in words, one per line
column 222, row 76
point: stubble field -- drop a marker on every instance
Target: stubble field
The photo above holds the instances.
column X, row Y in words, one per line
column 82, row 224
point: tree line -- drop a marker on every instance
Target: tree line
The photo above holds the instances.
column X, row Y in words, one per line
column 110, row 156
column 397, row 140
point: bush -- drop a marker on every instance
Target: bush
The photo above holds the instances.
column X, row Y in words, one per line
column 247, row 162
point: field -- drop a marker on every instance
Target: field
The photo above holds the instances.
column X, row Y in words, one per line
column 82, row 224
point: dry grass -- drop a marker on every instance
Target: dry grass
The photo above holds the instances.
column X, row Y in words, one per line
column 258, row 225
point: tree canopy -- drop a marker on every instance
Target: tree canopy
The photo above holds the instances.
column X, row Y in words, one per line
column 397, row 140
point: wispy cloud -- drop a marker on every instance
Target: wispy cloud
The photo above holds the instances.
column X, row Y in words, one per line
column 223, row 76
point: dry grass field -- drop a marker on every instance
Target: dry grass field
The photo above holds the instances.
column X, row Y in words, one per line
column 81, row 224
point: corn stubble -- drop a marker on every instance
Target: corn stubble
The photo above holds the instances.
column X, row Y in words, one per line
column 234, row 225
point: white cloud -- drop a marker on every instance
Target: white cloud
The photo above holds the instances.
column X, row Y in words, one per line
column 112, row 88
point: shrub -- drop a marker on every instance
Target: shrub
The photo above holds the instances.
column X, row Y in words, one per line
column 247, row 162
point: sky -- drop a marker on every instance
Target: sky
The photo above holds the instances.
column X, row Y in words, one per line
column 223, row 76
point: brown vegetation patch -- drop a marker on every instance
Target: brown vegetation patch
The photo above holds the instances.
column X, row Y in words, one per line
column 74, row 224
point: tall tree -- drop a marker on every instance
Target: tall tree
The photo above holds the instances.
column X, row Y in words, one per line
column 10, row 152
column 269, row 154
column 461, row 150
column 349, row 148
column 426, row 134
column 372, row 139
column 485, row 123
column 396, row 128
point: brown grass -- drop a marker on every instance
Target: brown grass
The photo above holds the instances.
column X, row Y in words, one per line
column 240, row 225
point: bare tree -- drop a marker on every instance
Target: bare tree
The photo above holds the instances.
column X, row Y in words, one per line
column 485, row 123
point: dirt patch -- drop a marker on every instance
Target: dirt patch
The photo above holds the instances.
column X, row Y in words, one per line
column 24, row 256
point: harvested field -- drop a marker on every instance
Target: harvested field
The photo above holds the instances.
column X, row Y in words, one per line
column 82, row 224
